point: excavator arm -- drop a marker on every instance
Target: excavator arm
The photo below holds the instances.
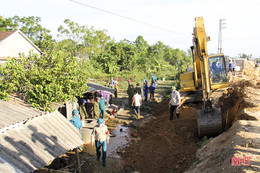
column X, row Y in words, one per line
column 208, row 118
column 201, row 64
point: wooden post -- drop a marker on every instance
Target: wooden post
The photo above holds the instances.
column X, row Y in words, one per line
column 78, row 161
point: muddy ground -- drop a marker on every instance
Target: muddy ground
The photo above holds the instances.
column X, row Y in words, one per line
column 155, row 144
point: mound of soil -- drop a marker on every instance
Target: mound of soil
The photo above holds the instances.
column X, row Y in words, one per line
column 242, row 140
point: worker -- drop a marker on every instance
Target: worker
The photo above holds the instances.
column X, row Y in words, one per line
column 130, row 92
column 82, row 109
column 96, row 108
column 152, row 90
column 234, row 68
column 100, row 135
column 230, row 66
column 219, row 66
column 102, row 104
column 112, row 83
column 138, row 88
column 129, row 83
column 146, row 90
column 154, row 80
column 116, row 88
column 75, row 120
column 214, row 67
column 175, row 103
column 107, row 84
column 136, row 103
column 144, row 81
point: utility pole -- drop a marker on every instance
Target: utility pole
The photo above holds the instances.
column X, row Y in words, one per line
column 221, row 25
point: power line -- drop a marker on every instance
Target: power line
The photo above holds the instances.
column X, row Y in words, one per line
column 125, row 17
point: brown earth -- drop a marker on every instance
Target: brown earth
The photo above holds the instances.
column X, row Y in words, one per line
column 240, row 113
column 160, row 145
column 164, row 145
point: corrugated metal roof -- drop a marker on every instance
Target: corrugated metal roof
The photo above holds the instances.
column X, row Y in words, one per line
column 37, row 142
column 97, row 87
column 15, row 111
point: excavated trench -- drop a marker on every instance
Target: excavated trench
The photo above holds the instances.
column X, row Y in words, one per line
column 170, row 146
column 154, row 144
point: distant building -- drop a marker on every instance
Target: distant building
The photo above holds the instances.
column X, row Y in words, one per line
column 15, row 43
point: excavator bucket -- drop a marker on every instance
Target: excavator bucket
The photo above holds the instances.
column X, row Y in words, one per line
column 209, row 123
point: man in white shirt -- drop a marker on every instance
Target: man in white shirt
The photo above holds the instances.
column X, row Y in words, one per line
column 175, row 103
column 136, row 103
column 100, row 135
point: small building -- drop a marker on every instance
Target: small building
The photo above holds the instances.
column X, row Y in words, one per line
column 13, row 44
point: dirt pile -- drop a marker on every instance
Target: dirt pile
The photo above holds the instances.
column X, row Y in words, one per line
column 164, row 145
column 240, row 95
column 250, row 71
column 242, row 141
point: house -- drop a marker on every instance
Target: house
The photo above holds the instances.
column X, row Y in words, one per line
column 15, row 43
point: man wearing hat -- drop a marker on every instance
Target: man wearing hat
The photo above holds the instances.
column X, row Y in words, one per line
column 174, row 103
column 102, row 103
column 76, row 121
column 100, row 135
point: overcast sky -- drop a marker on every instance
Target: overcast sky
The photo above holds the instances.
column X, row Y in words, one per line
column 169, row 21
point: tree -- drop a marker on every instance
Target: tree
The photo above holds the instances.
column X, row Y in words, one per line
column 44, row 80
column 6, row 24
column 243, row 55
column 83, row 42
column 31, row 27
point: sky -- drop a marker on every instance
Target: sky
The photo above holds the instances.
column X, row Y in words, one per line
column 168, row 21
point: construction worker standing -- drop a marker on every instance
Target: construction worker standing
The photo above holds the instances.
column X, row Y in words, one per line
column 102, row 104
column 96, row 108
column 138, row 88
column 75, row 120
column 130, row 92
column 154, row 80
column 175, row 103
column 136, row 103
column 116, row 88
column 82, row 109
column 152, row 90
column 146, row 90
column 100, row 135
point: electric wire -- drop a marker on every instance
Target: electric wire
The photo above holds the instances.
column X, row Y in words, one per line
column 125, row 17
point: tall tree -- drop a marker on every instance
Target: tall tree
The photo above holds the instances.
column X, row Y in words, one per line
column 6, row 24
column 31, row 27
column 84, row 42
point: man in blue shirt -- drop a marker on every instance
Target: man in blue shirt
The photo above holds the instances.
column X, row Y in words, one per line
column 76, row 121
column 152, row 90
column 102, row 104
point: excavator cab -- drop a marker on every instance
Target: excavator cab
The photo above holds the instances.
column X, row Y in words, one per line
column 218, row 70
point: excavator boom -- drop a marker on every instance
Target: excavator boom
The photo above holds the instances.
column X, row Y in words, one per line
column 204, row 79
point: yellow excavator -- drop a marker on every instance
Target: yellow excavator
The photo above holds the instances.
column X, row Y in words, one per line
column 209, row 76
